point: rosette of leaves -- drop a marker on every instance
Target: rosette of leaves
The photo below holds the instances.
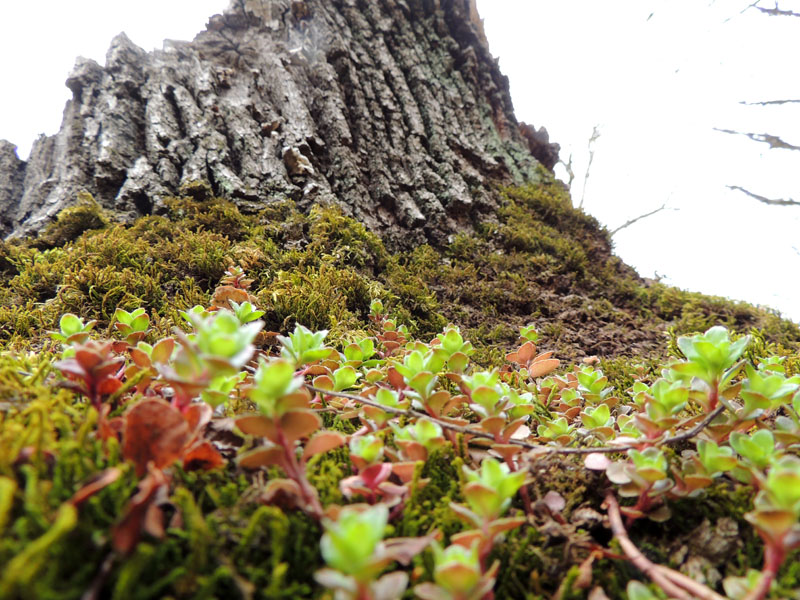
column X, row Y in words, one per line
column 304, row 346
column 644, row 475
column 355, row 552
column 488, row 492
column 132, row 325
column 532, row 364
column 419, row 370
column 387, row 398
column 458, row 574
column 285, row 420
column 662, row 403
column 713, row 359
column 94, row 370
column 219, row 347
column 453, row 349
column 372, row 480
column 72, row 330
column 764, row 391
column 415, row 441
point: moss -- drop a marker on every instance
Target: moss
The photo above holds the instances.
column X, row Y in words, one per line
column 71, row 222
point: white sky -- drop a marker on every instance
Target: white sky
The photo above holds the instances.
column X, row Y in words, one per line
column 656, row 88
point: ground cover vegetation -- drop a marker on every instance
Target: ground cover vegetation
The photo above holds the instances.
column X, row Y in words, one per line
column 211, row 404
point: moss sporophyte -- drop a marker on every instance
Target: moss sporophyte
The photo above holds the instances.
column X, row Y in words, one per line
column 295, row 441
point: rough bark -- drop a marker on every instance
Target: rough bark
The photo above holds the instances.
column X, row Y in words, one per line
column 394, row 109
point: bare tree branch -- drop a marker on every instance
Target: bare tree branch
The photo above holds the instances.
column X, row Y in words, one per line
column 765, row 200
column 768, row 102
column 767, row 138
column 637, row 219
column 592, row 140
column 570, row 172
column 776, row 12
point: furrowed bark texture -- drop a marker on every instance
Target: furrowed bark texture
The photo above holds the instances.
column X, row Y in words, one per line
column 394, row 109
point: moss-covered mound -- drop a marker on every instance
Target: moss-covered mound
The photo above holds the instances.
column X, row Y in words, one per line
column 541, row 262
column 116, row 482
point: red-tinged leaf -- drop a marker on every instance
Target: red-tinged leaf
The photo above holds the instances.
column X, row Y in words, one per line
column 507, row 451
column 538, row 369
column 412, row 450
column 405, row 549
column 493, row 425
column 596, row 461
column 298, row 399
column 438, row 400
column 396, row 379
column 391, row 491
column 543, row 356
column 317, row 370
column 500, row 525
column 282, row 492
column 257, row 425
column 88, row 359
column 465, row 513
column 70, row 366
column 572, row 412
column 109, row 368
column 263, row 456
column 197, row 416
column 140, row 358
column 108, row 386
column 431, row 591
column 467, row 538
column 390, row 586
column 323, row 382
column 525, row 353
column 202, row 456
column 100, row 481
column 153, row 523
column 299, row 424
column 162, row 351
column 513, row 357
column 321, row 442
column 119, row 346
column 125, row 535
column 404, row 470
column 584, row 578
column 154, row 431
column 374, row 475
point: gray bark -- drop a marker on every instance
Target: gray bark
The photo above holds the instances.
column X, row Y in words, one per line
column 393, row 109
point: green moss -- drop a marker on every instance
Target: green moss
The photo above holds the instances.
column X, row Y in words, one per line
column 72, row 222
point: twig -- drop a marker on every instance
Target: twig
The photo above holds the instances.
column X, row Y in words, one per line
column 592, row 140
column 637, row 219
column 769, row 102
column 537, row 447
column 775, row 143
column 764, row 199
column 674, row 584
column 639, row 560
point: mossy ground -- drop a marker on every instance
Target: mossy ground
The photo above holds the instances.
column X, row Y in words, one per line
column 540, row 262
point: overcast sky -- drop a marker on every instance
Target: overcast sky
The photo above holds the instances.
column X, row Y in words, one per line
column 656, row 76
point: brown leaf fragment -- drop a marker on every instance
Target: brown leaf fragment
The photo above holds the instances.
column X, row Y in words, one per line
column 154, row 431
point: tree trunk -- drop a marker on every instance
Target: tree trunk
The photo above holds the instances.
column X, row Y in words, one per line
column 393, row 109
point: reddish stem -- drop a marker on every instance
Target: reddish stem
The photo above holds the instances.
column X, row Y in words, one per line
column 297, row 473
column 774, row 553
